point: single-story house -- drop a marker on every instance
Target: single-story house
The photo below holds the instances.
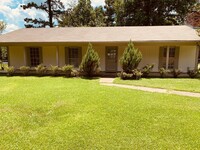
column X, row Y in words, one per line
column 164, row 46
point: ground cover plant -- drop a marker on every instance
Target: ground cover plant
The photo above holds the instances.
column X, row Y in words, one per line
column 183, row 84
column 68, row 113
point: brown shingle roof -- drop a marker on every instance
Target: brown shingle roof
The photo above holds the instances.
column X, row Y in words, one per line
column 102, row 34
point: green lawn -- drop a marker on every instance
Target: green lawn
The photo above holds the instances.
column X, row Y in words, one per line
column 58, row 113
column 183, row 84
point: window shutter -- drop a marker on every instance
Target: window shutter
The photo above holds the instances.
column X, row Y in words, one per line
column 66, row 55
column 161, row 51
column 176, row 57
column 40, row 55
column 28, row 59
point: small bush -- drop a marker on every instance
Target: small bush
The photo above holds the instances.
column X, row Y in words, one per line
column 54, row 70
column 74, row 73
column 10, row 70
column 40, row 70
column 137, row 74
column 67, row 69
column 163, row 72
column 175, row 72
column 90, row 62
column 147, row 69
column 25, row 70
column 193, row 73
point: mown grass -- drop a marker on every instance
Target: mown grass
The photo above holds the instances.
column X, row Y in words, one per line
column 182, row 84
column 60, row 113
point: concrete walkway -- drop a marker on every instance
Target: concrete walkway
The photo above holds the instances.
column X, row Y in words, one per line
column 109, row 82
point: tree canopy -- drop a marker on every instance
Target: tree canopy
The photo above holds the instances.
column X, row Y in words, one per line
column 2, row 26
column 52, row 7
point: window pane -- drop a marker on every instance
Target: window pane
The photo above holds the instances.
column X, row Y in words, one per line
column 172, row 51
column 74, row 56
column 34, row 56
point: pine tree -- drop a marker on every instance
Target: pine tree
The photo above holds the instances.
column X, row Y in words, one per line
column 52, row 7
column 130, row 58
column 2, row 26
column 90, row 62
column 109, row 12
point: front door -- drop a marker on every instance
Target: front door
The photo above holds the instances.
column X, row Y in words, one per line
column 111, row 59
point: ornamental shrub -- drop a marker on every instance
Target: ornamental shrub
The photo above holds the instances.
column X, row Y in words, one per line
column 193, row 73
column 163, row 72
column 175, row 72
column 40, row 70
column 54, row 70
column 25, row 70
column 67, row 69
column 130, row 58
column 10, row 70
column 147, row 69
column 90, row 62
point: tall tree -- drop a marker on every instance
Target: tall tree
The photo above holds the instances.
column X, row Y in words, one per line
column 193, row 17
column 109, row 12
column 156, row 12
column 82, row 14
column 52, row 7
column 2, row 26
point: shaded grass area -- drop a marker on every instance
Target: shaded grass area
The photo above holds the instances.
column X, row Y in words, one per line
column 182, row 84
column 59, row 113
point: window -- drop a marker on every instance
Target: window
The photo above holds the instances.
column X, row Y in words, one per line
column 169, row 57
column 34, row 56
column 73, row 56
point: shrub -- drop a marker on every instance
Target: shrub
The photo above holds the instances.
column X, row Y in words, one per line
column 125, row 76
column 54, row 70
column 130, row 58
column 163, row 72
column 25, row 70
column 175, row 72
column 147, row 69
column 10, row 70
column 74, row 73
column 90, row 62
column 40, row 70
column 67, row 69
column 137, row 74
column 193, row 73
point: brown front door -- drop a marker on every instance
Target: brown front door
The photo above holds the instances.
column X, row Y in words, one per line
column 111, row 59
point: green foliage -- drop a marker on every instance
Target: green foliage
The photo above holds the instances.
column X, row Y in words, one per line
column 67, row 69
column 90, row 62
column 54, row 8
column 40, row 70
column 25, row 70
column 10, row 70
column 163, row 72
column 147, row 69
column 135, row 75
column 175, row 72
column 2, row 26
column 130, row 58
column 192, row 73
column 54, row 70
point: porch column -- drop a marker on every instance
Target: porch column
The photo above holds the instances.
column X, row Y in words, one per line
column 167, row 57
column 57, row 55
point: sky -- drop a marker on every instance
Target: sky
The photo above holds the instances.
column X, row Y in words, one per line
column 13, row 14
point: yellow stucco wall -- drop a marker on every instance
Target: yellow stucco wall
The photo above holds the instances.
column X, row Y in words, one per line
column 16, row 56
column 49, row 55
column 187, row 57
column 150, row 54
